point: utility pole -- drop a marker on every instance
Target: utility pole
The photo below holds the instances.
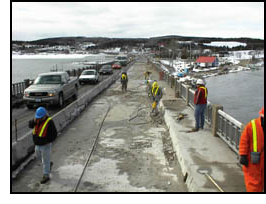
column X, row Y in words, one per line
column 190, row 53
column 173, row 58
column 159, row 52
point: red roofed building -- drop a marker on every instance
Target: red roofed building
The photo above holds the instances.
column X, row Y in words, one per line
column 207, row 61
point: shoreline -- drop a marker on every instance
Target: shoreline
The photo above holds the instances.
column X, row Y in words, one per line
column 195, row 73
column 56, row 56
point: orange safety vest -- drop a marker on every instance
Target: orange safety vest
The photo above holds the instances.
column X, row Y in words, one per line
column 42, row 129
column 252, row 140
column 203, row 99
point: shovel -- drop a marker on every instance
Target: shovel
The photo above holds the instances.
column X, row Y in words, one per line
column 206, row 173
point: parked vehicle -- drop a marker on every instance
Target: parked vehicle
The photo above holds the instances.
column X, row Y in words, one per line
column 122, row 59
column 106, row 69
column 89, row 76
column 52, row 88
column 117, row 65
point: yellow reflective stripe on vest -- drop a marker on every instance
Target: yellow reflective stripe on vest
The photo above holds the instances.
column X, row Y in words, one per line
column 205, row 90
column 155, row 91
column 33, row 132
column 43, row 127
column 254, row 129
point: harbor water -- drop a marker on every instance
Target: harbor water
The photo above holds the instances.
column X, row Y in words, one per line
column 241, row 93
column 29, row 68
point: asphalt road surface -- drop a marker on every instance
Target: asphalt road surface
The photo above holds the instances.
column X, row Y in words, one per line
column 21, row 115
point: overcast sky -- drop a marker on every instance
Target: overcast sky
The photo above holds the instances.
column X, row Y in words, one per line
column 32, row 20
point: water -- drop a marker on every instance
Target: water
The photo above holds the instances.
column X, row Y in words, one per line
column 241, row 93
column 30, row 68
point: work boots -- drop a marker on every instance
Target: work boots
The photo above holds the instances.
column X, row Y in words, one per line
column 45, row 178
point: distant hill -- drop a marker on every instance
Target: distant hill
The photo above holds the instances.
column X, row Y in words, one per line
column 104, row 42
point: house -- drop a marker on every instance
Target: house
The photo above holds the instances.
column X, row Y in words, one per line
column 223, row 54
column 207, row 61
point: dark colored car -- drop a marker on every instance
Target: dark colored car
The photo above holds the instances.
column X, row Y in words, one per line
column 106, row 69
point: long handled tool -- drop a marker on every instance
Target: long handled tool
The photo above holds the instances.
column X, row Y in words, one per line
column 206, row 173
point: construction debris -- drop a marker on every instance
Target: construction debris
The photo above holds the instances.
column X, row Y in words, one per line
column 181, row 116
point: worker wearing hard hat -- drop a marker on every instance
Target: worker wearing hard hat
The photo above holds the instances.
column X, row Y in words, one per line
column 251, row 151
column 200, row 101
column 147, row 75
column 124, row 81
column 44, row 133
column 157, row 94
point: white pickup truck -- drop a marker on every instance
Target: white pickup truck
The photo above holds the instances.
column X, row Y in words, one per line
column 88, row 76
column 52, row 88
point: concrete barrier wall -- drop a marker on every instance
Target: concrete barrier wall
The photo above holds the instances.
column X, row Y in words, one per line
column 24, row 146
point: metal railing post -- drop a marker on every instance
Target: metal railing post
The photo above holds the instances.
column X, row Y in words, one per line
column 187, row 94
column 180, row 89
column 214, row 128
column 16, row 130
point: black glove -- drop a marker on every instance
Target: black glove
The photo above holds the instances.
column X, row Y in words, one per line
column 32, row 124
column 244, row 160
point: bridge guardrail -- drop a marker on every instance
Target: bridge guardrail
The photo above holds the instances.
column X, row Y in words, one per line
column 18, row 88
column 229, row 129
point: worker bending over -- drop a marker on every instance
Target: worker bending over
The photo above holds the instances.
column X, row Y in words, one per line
column 147, row 75
column 157, row 94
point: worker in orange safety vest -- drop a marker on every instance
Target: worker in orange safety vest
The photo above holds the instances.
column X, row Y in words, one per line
column 251, row 151
column 44, row 133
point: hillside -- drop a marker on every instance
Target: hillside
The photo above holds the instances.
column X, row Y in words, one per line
column 104, row 42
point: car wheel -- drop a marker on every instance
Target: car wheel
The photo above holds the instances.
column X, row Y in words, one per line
column 61, row 100
column 29, row 106
column 75, row 96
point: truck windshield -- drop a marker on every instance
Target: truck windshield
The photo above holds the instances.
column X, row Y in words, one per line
column 50, row 79
column 88, row 73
